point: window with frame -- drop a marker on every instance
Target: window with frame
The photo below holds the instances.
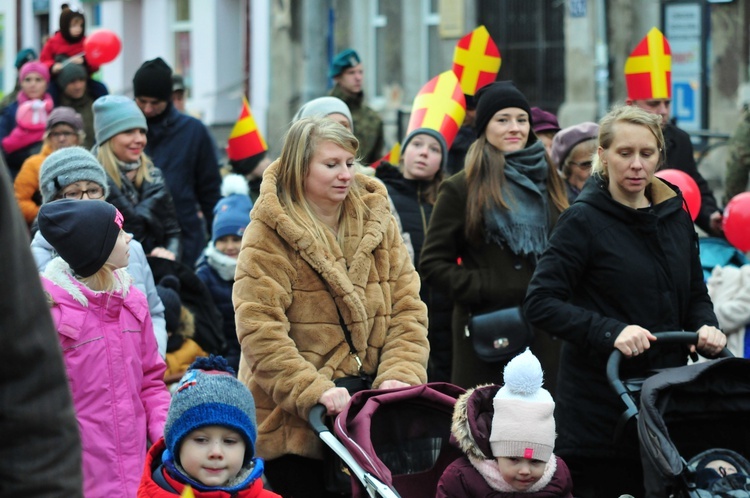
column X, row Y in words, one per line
column 386, row 21
column 531, row 39
column 181, row 29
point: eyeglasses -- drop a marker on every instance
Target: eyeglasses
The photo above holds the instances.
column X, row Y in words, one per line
column 62, row 134
column 583, row 165
column 92, row 193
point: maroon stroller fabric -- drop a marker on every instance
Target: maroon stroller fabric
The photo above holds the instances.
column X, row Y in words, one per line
column 401, row 436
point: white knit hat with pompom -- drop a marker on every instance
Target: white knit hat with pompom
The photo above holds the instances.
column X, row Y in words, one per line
column 523, row 424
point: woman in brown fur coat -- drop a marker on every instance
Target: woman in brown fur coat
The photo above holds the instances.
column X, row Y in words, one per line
column 322, row 242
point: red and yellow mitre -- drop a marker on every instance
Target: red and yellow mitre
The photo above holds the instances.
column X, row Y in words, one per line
column 393, row 156
column 245, row 140
column 476, row 60
column 440, row 105
column 648, row 70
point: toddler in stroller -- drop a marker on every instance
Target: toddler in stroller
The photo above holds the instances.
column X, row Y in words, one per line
column 721, row 473
column 507, row 434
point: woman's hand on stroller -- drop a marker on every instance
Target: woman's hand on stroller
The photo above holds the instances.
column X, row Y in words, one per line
column 335, row 399
column 634, row 340
column 711, row 341
column 393, row 384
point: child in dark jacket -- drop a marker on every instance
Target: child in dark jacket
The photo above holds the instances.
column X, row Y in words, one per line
column 182, row 350
column 219, row 261
column 209, row 439
column 507, row 434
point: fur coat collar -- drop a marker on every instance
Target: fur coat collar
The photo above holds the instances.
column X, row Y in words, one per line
column 61, row 274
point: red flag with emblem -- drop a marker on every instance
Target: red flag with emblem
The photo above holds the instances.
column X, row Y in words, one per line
column 440, row 105
column 393, row 156
column 476, row 60
column 245, row 140
column 648, row 70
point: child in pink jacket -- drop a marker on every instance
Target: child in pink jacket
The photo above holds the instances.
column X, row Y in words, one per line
column 111, row 358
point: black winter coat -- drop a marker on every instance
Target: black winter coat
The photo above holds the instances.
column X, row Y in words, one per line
column 490, row 277
column 680, row 157
column 149, row 212
column 608, row 266
column 415, row 213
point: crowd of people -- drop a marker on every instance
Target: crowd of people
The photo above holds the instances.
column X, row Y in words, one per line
column 203, row 311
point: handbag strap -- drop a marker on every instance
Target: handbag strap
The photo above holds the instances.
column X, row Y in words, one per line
column 348, row 337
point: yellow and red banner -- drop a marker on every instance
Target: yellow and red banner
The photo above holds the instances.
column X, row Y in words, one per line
column 245, row 140
column 648, row 70
column 393, row 156
column 476, row 60
column 440, row 105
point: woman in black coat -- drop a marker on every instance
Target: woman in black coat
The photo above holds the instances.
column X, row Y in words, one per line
column 622, row 263
column 136, row 187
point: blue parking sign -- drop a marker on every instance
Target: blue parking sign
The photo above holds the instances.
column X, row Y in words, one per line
column 683, row 104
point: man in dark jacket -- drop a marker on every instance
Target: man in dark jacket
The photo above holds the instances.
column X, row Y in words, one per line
column 653, row 94
column 183, row 149
column 41, row 450
column 346, row 71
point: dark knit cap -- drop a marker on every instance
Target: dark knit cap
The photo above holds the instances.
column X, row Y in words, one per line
column 437, row 136
column 66, row 115
column 209, row 394
column 153, row 79
column 69, row 74
column 168, row 289
column 83, row 233
column 495, row 97
column 247, row 165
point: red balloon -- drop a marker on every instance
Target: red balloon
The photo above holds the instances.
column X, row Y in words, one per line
column 736, row 221
column 101, row 46
column 687, row 186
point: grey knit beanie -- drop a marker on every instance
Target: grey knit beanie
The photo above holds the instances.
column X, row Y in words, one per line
column 434, row 134
column 322, row 107
column 66, row 166
column 114, row 114
column 69, row 74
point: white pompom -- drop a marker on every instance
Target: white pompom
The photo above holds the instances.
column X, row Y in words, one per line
column 234, row 184
column 523, row 374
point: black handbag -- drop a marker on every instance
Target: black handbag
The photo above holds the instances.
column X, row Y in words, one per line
column 499, row 335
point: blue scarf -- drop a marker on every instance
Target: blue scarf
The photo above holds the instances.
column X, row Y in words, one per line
column 524, row 226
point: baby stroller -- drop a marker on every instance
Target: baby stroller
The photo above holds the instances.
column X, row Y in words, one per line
column 686, row 413
column 394, row 442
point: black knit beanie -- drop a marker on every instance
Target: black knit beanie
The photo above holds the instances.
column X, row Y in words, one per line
column 247, row 165
column 495, row 97
column 153, row 79
column 83, row 233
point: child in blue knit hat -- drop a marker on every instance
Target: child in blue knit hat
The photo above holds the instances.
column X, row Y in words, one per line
column 219, row 261
column 209, row 439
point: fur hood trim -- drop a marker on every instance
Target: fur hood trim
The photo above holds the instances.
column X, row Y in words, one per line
column 463, row 429
column 345, row 284
column 491, row 473
column 61, row 274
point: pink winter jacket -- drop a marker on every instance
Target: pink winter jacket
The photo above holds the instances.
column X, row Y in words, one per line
column 115, row 375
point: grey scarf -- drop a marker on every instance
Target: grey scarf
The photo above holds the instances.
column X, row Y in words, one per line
column 522, row 228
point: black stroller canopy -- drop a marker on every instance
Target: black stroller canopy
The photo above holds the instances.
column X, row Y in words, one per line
column 688, row 410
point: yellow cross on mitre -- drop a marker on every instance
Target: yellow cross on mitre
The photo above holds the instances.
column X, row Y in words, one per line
column 440, row 105
column 476, row 60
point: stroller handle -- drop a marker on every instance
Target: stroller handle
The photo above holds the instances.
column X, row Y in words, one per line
column 613, row 364
column 315, row 419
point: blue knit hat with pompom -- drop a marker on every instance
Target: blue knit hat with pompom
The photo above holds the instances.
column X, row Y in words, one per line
column 209, row 394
